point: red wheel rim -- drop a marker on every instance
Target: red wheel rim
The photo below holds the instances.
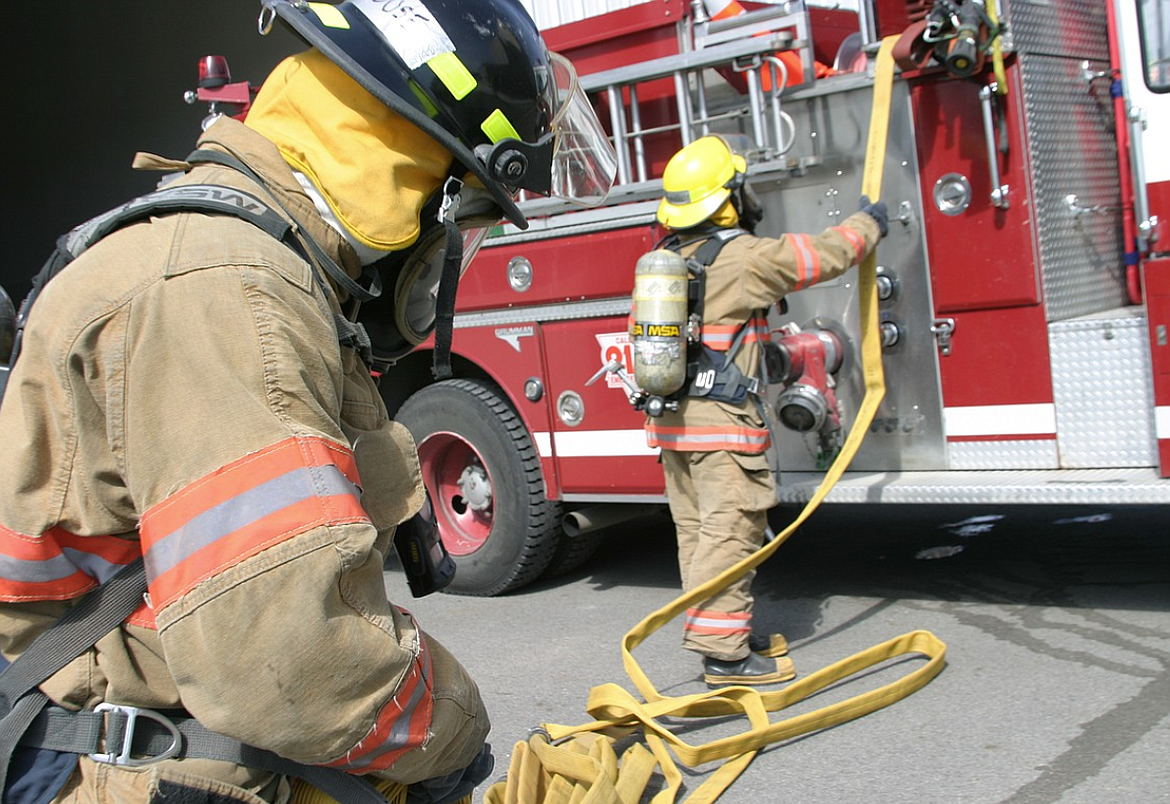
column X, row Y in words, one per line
column 445, row 458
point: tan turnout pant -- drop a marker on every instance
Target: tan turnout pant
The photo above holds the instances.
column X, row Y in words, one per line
column 719, row 503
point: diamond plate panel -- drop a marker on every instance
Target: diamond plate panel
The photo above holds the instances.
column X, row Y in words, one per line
column 1050, row 487
column 1022, row 454
column 1070, row 28
column 1104, row 400
column 1076, row 195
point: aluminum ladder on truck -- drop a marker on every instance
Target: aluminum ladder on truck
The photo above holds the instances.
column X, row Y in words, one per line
column 745, row 44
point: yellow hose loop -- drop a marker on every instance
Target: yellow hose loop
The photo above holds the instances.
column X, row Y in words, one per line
column 395, row 793
column 874, row 390
column 997, row 51
column 570, row 764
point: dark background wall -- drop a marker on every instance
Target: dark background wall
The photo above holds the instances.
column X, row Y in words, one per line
column 90, row 83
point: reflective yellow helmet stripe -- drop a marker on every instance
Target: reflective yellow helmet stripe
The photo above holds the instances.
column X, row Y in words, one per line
column 329, row 15
column 697, row 181
column 455, row 76
column 498, row 127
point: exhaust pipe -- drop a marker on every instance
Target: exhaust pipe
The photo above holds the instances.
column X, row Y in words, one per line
column 593, row 517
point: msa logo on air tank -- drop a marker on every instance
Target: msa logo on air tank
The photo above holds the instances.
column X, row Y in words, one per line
column 657, row 330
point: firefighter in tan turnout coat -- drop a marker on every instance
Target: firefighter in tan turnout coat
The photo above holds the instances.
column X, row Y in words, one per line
column 192, row 390
column 718, row 481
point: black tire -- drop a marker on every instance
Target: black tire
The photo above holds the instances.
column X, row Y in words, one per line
column 572, row 552
column 483, row 474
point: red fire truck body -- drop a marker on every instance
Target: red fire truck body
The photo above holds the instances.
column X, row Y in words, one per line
column 1024, row 286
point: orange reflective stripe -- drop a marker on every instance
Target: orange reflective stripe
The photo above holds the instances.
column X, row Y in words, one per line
column 808, row 261
column 143, row 617
column 703, row 621
column 244, row 507
column 749, row 440
column 723, row 9
column 720, row 336
column 58, row 565
column 402, row 725
column 855, row 240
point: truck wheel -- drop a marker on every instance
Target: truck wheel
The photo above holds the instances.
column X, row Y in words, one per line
column 572, row 552
column 483, row 475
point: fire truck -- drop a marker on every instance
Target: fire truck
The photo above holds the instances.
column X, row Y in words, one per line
column 1024, row 286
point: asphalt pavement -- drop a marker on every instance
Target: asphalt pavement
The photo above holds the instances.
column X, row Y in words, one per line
column 1057, row 685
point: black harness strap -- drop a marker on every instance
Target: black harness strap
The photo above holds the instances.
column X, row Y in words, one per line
column 335, row 271
column 100, row 612
column 349, row 332
column 27, row 720
column 445, row 302
column 209, row 198
column 95, row 616
column 212, row 199
column 721, row 378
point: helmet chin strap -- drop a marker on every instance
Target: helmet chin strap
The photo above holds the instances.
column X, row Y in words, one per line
column 448, row 280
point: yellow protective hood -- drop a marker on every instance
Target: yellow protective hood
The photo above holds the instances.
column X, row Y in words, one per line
column 374, row 168
column 725, row 216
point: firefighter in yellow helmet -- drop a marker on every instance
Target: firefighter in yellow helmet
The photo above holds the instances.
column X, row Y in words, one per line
column 194, row 390
column 713, row 446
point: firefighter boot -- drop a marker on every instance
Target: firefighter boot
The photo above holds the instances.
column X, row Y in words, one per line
column 752, row 669
column 769, row 645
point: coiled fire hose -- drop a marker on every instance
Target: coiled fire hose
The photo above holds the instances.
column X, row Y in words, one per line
column 578, row 764
column 570, row 764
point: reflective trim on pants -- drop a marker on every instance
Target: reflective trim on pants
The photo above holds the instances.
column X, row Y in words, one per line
column 719, row 509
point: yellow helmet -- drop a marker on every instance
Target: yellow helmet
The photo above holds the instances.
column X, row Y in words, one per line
column 698, row 180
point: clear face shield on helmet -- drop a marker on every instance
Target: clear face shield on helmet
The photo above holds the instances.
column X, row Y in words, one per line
column 584, row 161
column 574, row 161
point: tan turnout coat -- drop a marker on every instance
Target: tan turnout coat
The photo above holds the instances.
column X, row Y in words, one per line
column 182, row 393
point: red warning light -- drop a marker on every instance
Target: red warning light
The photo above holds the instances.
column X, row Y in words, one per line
column 213, row 72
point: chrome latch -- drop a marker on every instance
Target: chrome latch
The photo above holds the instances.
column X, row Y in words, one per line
column 943, row 328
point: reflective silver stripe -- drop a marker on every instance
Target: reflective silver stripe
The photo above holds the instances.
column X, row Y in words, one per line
column 29, row 571
column 601, row 308
column 805, row 262
column 400, row 732
column 713, row 438
column 737, row 624
column 91, row 564
column 399, row 737
column 56, row 568
column 242, row 510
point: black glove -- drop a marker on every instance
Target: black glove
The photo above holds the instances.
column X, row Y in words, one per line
column 877, row 210
column 454, row 786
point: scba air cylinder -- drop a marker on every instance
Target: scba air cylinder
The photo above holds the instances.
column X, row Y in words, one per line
column 660, row 319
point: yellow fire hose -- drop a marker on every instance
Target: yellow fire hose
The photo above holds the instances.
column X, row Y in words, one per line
column 997, row 52
column 570, row 764
column 578, row 764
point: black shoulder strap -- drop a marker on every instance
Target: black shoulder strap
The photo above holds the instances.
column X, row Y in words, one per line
column 22, row 705
column 713, row 241
column 705, row 255
column 209, row 198
column 335, row 271
column 212, row 199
